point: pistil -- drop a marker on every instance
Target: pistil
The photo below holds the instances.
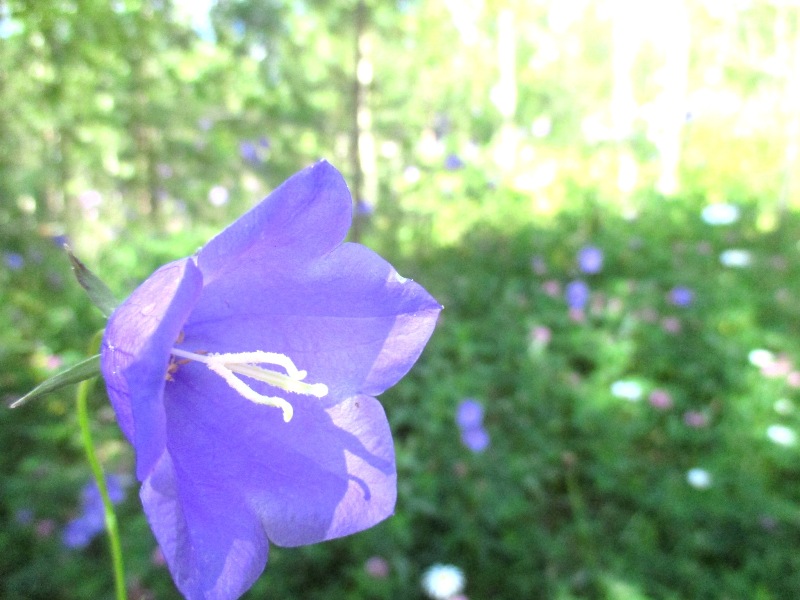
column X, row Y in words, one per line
column 247, row 364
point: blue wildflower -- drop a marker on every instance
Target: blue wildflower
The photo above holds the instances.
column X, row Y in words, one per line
column 590, row 259
column 576, row 294
column 681, row 295
column 245, row 376
column 81, row 530
column 249, row 152
column 453, row 162
column 14, row 261
column 469, row 417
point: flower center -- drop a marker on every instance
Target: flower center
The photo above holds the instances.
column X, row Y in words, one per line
column 247, row 364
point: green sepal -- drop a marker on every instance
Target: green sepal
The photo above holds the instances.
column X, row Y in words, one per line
column 85, row 369
column 99, row 294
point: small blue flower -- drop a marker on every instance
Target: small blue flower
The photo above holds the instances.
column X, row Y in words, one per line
column 681, row 295
column 453, row 162
column 469, row 417
column 469, row 413
column 81, row 530
column 576, row 294
column 476, row 439
column 249, row 152
column 14, row 261
column 590, row 259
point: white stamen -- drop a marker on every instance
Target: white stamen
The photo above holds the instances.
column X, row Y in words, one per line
column 246, row 363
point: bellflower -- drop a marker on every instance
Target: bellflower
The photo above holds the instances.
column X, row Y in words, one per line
column 590, row 259
column 577, row 294
column 245, row 376
column 91, row 522
column 681, row 295
column 469, row 417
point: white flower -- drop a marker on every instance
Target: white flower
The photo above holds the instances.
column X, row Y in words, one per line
column 699, row 478
column 627, row 389
column 736, row 258
column 412, row 174
column 720, row 214
column 443, row 581
column 782, row 435
column 783, row 406
column 760, row 357
column 218, row 195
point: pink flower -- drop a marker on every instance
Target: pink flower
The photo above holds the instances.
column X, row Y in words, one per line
column 540, row 336
column 538, row 265
column 377, row 567
column 671, row 325
column 695, row 419
column 660, row 399
column 552, row 288
column 780, row 367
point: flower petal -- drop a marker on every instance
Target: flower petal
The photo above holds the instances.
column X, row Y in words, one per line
column 236, row 474
column 324, row 474
column 135, row 354
column 308, row 215
column 214, row 552
column 347, row 318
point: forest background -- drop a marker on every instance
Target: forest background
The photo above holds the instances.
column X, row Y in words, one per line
column 640, row 410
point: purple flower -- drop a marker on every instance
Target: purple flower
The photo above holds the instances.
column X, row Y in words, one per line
column 377, row 567
column 576, row 294
column 81, row 530
column 453, row 162
column 476, row 438
column 469, row 414
column 681, row 295
column 244, row 377
column 249, row 152
column 469, row 417
column 539, row 265
column 14, row 261
column 590, row 259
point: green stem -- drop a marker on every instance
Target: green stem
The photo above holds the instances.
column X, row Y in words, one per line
column 97, row 471
column 581, row 520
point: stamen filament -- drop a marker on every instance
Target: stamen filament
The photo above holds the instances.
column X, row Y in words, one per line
column 246, row 363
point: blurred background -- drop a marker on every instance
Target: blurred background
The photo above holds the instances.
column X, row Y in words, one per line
column 602, row 193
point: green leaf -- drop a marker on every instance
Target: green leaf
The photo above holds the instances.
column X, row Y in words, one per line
column 99, row 294
column 85, row 369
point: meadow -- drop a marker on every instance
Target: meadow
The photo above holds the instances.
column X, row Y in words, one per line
column 609, row 406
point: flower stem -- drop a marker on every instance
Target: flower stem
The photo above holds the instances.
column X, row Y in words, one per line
column 81, row 398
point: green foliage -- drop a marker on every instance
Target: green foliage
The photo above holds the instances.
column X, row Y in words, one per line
column 137, row 135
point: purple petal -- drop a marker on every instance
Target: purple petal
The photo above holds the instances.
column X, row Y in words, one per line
column 469, row 414
column 214, row 552
column 476, row 439
column 348, row 319
column 590, row 259
column 136, row 350
column 577, row 294
column 79, row 532
column 308, row 215
column 681, row 295
column 239, row 475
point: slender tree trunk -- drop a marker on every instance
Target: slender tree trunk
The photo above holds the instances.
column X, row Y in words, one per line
column 791, row 40
column 671, row 101
column 625, row 46
column 504, row 94
column 359, row 113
